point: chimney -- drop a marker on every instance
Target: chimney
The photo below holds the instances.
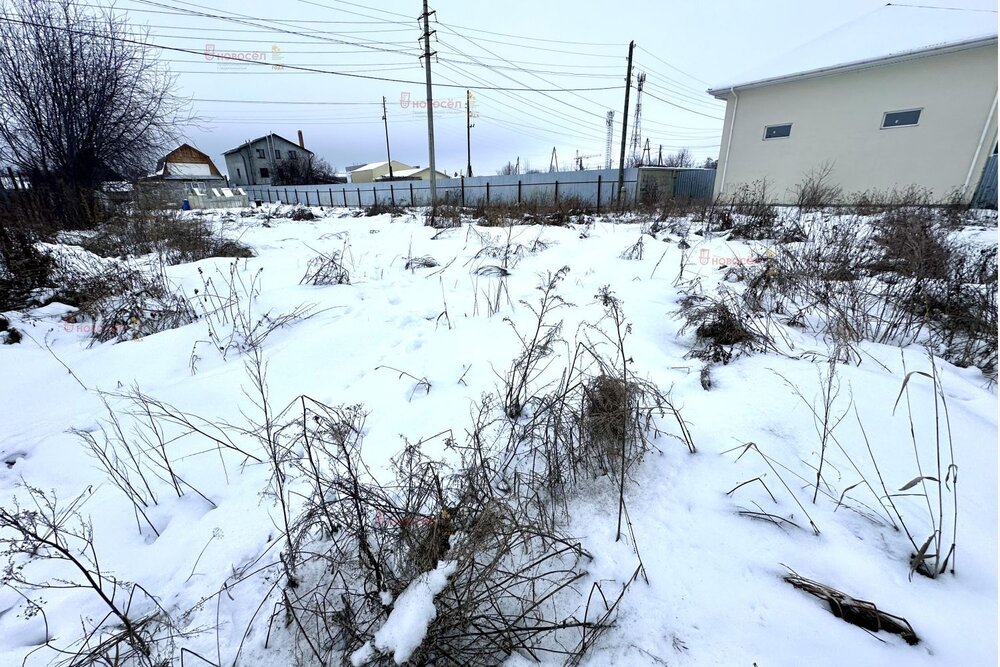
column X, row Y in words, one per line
column 302, row 142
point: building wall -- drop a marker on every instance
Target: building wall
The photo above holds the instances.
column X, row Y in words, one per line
column 838, row 117
column 239, row 162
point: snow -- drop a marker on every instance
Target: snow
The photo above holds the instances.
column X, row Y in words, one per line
column 715, row 594
column 889, row 31
column 412, row 612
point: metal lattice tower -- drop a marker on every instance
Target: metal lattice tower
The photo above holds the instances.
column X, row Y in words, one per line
column 637, row 123
column 607, row 144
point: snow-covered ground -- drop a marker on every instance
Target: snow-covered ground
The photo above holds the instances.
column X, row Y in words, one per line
column 417, row 348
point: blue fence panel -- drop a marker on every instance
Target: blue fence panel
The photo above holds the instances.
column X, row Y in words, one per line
column 694, row 184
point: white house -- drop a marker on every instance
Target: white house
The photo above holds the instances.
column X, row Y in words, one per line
column 904, row 96
column 256, row 162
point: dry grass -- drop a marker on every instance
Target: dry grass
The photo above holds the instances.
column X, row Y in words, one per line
column 854, row 611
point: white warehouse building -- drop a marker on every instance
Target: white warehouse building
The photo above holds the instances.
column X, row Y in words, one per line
column 904, row 96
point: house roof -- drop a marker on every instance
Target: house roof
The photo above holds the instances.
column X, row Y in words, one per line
column 892, row 32
column 273, row 134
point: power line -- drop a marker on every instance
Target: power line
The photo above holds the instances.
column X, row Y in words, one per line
column 202, row 99
column 536, row 39
column 289, row 67
column 673, row 67
column 522, row 69
column 683, row 107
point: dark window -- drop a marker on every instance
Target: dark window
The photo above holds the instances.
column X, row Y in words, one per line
column 265, row 173
column 292, row 155
column 261, row 154
column 900, row 118
column 277, row 155
column 777, row 131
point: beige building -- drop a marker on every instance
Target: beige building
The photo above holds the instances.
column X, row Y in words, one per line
column 903, row 96
column 367, row 173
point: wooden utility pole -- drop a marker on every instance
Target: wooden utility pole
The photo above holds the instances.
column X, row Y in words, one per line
column 621, row 159
column 385, row 121
column 426, row 16
column 468, row 132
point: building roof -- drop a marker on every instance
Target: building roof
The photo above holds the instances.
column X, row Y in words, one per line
column 377, row 165
column 253, row 141
column 892, row 32
column 405, row 173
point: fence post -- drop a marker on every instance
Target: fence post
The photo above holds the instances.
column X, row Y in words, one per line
column 598, row 194
column 519, row 192
column 412, row 203
column 487, row 193
column 268, row 196
column 330, row 190
column 374, row 196
column 463, row 191
column 343, row 191
column 556, row 202
column 359, row 197
column 307, row 196
column 392, row 195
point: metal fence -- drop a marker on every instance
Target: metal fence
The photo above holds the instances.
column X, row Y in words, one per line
column 986, row 193
column 597, row 188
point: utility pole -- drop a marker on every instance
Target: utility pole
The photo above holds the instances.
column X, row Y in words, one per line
column 468, row 132
column 621, row 159
column 385, row 120
column 426, row 16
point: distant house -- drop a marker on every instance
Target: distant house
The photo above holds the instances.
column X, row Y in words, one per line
column 255, row 162
column 366, row 173
column 188, row 164
column 904, row 96
column 416, row 174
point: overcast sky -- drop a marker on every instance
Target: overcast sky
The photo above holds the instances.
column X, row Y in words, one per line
column 571, row 53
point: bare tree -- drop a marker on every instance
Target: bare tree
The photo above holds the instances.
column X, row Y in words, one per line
column 305, row 171
column 83, row 99
column 681, row 158
column 710, row 163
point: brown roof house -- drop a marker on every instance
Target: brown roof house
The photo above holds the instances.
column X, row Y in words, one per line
column 187, row 163
column 185, row 174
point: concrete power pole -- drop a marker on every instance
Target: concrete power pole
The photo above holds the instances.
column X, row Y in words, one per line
column 385, row 120
column 621, row 159
column 426, row 16
column 468, row 133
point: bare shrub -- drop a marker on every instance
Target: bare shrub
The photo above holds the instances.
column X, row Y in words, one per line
column 634, row 251
column 723, row 328
column 226, row 304
column 747, row 213
column 326, row 269
column 120, row 301
column 135, row 630
column 817, row 189
column 175, row 238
